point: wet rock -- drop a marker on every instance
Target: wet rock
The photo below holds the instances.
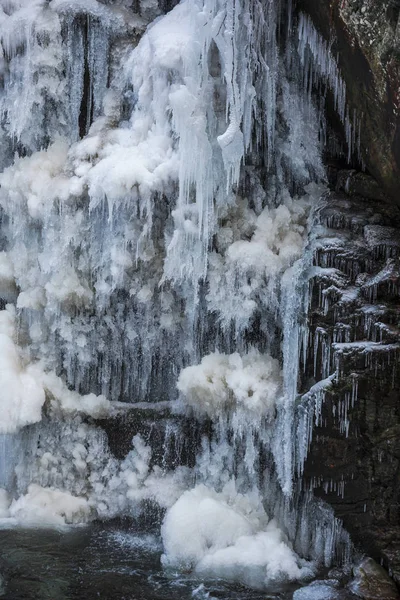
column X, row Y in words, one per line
column 321, row 590
column 365, row 36
column 354, row 183
column 353, row 358
column 371, row 582
column 173, row 438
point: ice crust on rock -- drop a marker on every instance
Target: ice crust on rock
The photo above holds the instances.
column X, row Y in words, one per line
column 318, row 590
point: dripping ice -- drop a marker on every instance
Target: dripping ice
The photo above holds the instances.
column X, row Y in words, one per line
column 156, row 206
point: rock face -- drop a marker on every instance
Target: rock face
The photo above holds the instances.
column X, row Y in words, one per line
column 354, row 460
column 365, row 35
column 372, row 583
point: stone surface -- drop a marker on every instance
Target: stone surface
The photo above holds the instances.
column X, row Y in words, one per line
column 174, row 439
column 354, row 319
column 371, row 582
column 365, row 35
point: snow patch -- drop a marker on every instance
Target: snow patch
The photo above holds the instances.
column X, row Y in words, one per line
column 250, row 383
column 44, row 507
column 228, row 535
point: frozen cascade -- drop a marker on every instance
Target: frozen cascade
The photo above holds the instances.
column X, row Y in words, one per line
column 160, row 177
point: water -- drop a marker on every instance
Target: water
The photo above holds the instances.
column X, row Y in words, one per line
column 108, row 563
column 112, row 563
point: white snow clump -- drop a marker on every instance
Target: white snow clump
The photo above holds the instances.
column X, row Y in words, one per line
column 250, row 383
column 228, row 535
column 47, row 507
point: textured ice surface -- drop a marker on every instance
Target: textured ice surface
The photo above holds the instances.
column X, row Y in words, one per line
column 48, row 508
column 248, row 384
column 22, row 396
column 24, row 386
column 156, row 198
column 317, row 591
column 228, row 535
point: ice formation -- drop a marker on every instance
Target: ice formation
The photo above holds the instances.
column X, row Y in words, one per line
column 158, row 180
column 25, row 386
column 228, row 535
column 249, row 384
column 321, row 67
column 22, row 395
column 4, row 504
column 48, row 507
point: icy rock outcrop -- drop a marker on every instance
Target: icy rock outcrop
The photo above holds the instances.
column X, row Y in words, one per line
column 354, row 354
column 365, row 37
column 372, row 581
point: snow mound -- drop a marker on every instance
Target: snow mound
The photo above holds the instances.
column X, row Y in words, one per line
column 228, row 535
column 250, row 383
column 47, row 507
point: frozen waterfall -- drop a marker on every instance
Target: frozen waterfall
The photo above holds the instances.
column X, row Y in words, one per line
column 160, row 178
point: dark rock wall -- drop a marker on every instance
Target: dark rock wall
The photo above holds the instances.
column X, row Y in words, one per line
column 354, row 459
column 365, row 35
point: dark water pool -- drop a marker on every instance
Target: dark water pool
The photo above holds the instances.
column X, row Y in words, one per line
column 109, row 563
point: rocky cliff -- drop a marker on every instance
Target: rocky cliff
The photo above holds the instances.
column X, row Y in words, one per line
column 354, row 460
column 354, row 350
column 365, row 36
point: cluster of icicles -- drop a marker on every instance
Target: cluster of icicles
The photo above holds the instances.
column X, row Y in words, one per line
column 155, row 203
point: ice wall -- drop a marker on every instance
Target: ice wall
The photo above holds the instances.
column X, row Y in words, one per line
column 156, row 197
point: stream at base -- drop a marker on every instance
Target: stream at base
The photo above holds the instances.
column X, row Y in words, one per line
column 107, row 562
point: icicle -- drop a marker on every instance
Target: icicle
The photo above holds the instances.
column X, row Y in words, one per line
column 324, row 66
